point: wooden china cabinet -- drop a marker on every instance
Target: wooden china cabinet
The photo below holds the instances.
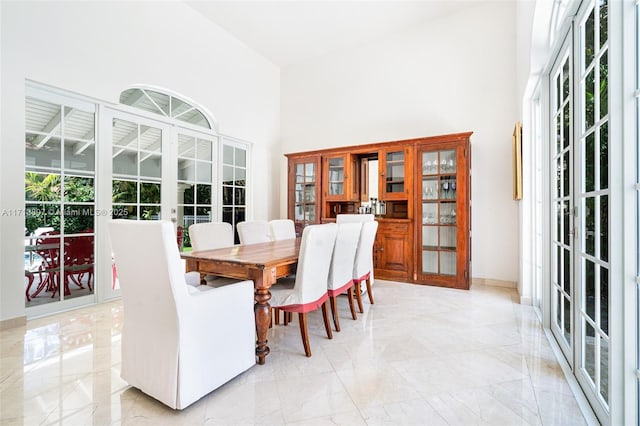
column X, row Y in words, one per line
column 424, row 231
column 444, row 212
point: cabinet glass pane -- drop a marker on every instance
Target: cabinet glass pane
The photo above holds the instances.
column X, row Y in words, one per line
column 310, row 172
column 430, row 188
column 430, row 237
column 447, row 263
column 448, row 188
column 299, row 193
column 336, row 176
column 299, row 172
column 429, row 163
column 448, row 161
column 448, row 214
column 310, row 212
column 447, row 237
column 336, row 188
column 395, row 172
column 429, row 213
column 310, row 193
column 336, row 163
column 429, row 262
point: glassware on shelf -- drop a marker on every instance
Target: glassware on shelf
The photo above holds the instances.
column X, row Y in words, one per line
column 445, row 190
column 453, row 189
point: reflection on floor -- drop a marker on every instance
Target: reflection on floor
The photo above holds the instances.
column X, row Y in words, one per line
column 420, row 355
column 47, row 295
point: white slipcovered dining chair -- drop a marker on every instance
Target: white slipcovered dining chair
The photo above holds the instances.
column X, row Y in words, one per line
column 178, row 342
column 341, row 270
column 360, row 218
column 308, row 291
column 350, row 217
column 254, row 231
column 209, row 236
column 282, row 229
column 363, row 266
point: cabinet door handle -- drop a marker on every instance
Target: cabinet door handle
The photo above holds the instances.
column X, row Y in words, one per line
column 381, row 248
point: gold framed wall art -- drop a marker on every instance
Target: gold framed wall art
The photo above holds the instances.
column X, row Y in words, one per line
column 517, row 161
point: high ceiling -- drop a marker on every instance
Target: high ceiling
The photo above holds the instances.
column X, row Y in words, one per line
column 290, row 32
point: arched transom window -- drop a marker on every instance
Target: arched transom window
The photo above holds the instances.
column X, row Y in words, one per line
column 167, row 105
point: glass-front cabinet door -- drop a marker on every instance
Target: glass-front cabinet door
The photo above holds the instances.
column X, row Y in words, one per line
column 443, row 193
column 394, row 179
column 304, row 191
column 336, row 175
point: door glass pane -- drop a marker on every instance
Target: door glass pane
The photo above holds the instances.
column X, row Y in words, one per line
column 234, row 183
column 151, row 165
column 604, row 300
column 195, row 178
column 592, row 216
column 125, row 162
column 186, row 170
column 59, row 183
column 149, row 193
column 590, row 289
column 561, row 192
column 589, row 163
column 42, row 153
column 590, row 351
column 204, row 172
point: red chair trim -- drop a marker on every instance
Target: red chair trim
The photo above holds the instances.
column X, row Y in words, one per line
column 305, row 307
column 339, row 291
column 362, row 278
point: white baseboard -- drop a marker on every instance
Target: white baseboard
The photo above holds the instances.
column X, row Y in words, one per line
column 13, row 322
column 494, row 283
column 526, row 301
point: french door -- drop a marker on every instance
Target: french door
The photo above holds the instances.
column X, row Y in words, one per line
column 580, row 231
column 87, row 162
column 563, row 219
column 139, row 179
column 158, row 171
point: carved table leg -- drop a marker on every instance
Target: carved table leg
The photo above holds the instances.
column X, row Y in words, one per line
column 262, row 311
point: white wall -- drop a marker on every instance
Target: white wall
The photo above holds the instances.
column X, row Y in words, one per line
column 453, row 75
column 99, row 48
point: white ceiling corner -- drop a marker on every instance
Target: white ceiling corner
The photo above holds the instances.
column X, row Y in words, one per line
column 291, row 32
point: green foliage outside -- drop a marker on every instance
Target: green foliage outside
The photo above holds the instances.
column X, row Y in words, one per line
column 47, row 205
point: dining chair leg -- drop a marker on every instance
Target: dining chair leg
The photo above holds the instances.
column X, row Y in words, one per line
column 325, row 316
column 276, row 316
column 334, row 313
column 351, row 304
column 356, row 288
column 369, row 292
column 303, row 332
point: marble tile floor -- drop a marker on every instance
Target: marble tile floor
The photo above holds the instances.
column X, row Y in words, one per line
column 419, row 356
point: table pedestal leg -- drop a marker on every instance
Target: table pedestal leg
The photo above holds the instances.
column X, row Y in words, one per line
column 262, row 310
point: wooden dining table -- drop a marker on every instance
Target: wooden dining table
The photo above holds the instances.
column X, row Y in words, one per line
column 263, row 263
